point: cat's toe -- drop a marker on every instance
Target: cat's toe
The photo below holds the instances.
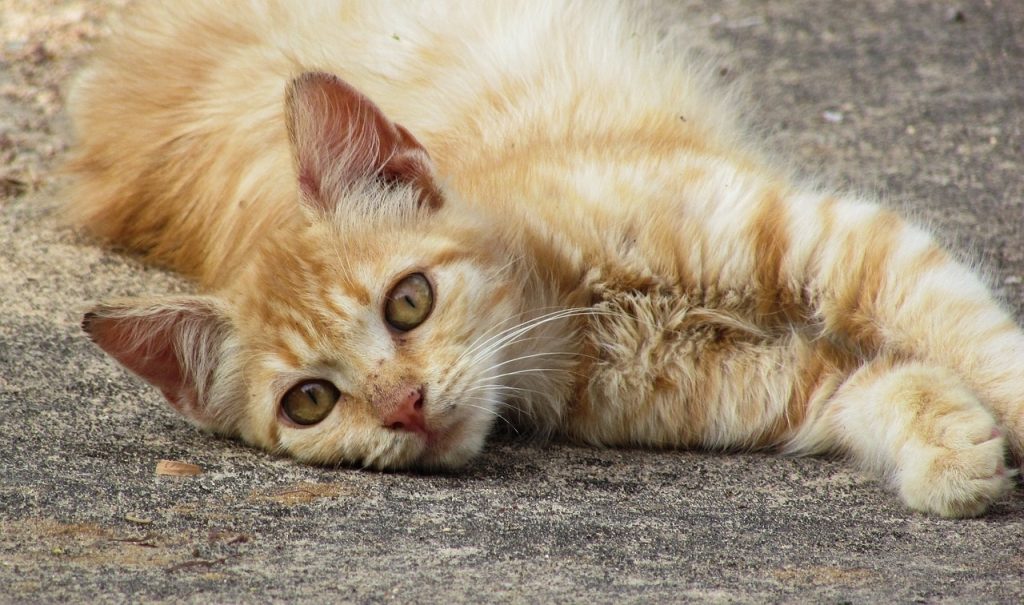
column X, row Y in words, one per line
column 955, row 480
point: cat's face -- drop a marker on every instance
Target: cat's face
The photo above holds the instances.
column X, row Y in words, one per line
column 369, row 331
column 357, row 338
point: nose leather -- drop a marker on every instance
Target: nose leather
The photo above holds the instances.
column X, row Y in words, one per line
column 406, row 414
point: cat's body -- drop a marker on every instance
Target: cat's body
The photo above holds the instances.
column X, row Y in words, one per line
column 608, row 258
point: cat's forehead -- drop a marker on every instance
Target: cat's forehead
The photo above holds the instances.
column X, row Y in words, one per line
column 325, row 295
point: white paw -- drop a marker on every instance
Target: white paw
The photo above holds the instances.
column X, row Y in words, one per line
column 955, row 469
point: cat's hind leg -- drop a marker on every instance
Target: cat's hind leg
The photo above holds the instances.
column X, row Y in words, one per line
column 921, row 427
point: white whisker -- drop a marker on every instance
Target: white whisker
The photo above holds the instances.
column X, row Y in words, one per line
column 526, row 371
column 530, row 356
column 503, row 387
column 515, row 327
column 511, row 335
column 493, row 412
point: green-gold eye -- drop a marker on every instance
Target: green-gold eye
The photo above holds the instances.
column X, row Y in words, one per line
column 309, row 402
column 409, row 302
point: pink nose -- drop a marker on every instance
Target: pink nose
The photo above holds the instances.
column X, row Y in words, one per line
column 407, row 413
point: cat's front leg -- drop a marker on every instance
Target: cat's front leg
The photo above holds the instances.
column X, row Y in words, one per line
column 923, row 429
column 884, row 287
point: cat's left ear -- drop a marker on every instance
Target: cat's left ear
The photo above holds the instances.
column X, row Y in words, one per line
column 181, row 345
column 340, row 137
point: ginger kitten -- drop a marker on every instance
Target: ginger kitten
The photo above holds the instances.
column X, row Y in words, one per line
column 414, row 220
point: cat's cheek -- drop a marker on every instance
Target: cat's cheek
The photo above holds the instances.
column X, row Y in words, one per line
column 351, row 443
column 258, row 426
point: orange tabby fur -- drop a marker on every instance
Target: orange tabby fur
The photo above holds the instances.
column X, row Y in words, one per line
column 612, row 260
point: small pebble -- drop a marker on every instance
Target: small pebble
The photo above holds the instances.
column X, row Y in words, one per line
column 832, row 117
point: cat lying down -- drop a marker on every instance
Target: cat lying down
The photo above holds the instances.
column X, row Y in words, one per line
column 413, row 221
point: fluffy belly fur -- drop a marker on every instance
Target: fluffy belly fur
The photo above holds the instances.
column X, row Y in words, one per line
column 673, row 369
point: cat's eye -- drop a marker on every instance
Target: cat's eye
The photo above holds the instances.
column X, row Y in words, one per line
column 310, row 402
column 409, row 302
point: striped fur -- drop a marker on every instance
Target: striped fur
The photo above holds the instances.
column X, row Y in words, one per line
column 613, row 260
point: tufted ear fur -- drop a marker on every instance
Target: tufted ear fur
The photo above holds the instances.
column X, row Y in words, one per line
column 180, row 345
column 340, row 137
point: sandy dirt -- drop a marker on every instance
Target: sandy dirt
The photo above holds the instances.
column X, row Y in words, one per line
column 920, row 101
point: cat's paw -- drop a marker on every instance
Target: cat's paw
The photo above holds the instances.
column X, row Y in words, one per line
column 958, row 469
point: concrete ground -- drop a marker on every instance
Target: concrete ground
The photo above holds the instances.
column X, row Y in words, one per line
column 921, row 100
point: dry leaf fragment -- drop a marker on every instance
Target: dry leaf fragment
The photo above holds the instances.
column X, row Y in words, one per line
column 176, row 468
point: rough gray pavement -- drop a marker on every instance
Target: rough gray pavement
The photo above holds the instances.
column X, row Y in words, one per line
column 922, row 101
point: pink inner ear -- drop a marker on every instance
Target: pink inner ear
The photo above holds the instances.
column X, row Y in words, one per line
column 145, row 341
column 413, row 169
column 153, row 359
column 340, row 136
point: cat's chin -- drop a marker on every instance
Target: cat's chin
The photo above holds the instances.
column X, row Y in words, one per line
column 454, row 448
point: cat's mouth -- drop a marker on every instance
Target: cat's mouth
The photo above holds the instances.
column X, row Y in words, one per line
column 437, row 432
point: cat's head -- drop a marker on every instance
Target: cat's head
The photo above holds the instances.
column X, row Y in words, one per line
column 370, row 331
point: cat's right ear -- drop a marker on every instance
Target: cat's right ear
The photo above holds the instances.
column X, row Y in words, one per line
column 180, row 345
column 340, row 137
